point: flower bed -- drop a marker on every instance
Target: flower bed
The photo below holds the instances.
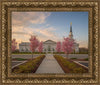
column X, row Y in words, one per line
column 30, row 66
column 69, row 66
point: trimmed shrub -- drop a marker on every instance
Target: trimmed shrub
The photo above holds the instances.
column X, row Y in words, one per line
column 28, row 53
column 79, row 70
column 58, row 53
column 70, row 65
column 86, row 59
column 19, row 59
column 73, row 58
column 30, row 66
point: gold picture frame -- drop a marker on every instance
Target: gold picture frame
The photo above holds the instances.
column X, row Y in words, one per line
column 8, row 7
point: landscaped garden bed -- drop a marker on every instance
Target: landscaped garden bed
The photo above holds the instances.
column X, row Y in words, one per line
column 30, row 66
column 69, row 66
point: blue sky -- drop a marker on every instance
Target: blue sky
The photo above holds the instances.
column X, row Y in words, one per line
column 50, row 25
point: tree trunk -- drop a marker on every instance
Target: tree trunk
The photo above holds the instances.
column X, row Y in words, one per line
column 32, row 55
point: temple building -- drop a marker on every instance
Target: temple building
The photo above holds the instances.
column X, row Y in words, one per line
column 48, row 45
column 76, row 45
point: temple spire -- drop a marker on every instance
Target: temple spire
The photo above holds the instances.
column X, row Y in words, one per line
column 71, row 27
column 70, row 33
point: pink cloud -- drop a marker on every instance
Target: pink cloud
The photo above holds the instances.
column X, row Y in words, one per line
column 24, row 18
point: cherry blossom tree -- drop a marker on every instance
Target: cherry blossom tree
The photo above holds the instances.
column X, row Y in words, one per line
column 40, row 47
column 34, row 43
column 14, row 45
column 68, row 45
column 58, row 47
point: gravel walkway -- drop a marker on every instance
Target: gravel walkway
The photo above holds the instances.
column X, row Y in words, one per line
column 49, row 65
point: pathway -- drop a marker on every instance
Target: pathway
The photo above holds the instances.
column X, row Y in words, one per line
column 49, row 65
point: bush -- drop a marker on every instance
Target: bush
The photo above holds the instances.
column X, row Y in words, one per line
column 86, row 59
column 58, row 53
column 66, row 64
column 80, row 70
column 73, row 58
column 19, row 59
column 30, row 66
column 28, row 52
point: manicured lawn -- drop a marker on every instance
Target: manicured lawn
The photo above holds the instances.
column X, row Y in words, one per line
column 19, row 59
column 73, row 58
column 58, row 53
column 69, row 66
column 28, row 53
column 30, row 66
column 85, row 59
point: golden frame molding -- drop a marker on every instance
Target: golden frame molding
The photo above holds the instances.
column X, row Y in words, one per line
column 9, row 7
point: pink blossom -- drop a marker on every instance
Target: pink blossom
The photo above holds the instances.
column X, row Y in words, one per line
column 40, row 48
column 14, row 45
column 33, row 43
column 68, row 45
column 58, row 47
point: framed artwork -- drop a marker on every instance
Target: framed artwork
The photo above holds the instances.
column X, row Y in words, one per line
column 49, row 42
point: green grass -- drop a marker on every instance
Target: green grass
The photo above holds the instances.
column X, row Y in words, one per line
column 86, row 59
column 28, row 53
column 58, row 53
column 73, row 58
column 44, row 53
column 30, row 66
column 66, row 64
column 19, row 59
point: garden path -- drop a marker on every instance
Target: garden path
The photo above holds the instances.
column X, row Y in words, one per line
column 49, row 65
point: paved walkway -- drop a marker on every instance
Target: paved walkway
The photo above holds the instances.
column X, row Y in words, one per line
column 49, row 65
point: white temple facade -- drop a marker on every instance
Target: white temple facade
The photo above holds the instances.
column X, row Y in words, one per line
column 48, row 45
column 24, row 47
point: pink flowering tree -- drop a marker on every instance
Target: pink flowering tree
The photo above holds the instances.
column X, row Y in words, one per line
column 40, row 47
column 68, row 46
column 33, row 44
column 58, row 47
column 14, row 45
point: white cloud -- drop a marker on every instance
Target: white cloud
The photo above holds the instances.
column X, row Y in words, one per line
column 23, row 34
column 83, row 43
column 24, row 18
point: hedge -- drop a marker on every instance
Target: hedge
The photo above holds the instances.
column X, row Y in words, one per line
column 69, row 66
column 28, row 52
column 19, row 59
column 30, row 66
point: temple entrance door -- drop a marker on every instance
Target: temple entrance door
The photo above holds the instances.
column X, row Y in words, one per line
column 49, row 49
